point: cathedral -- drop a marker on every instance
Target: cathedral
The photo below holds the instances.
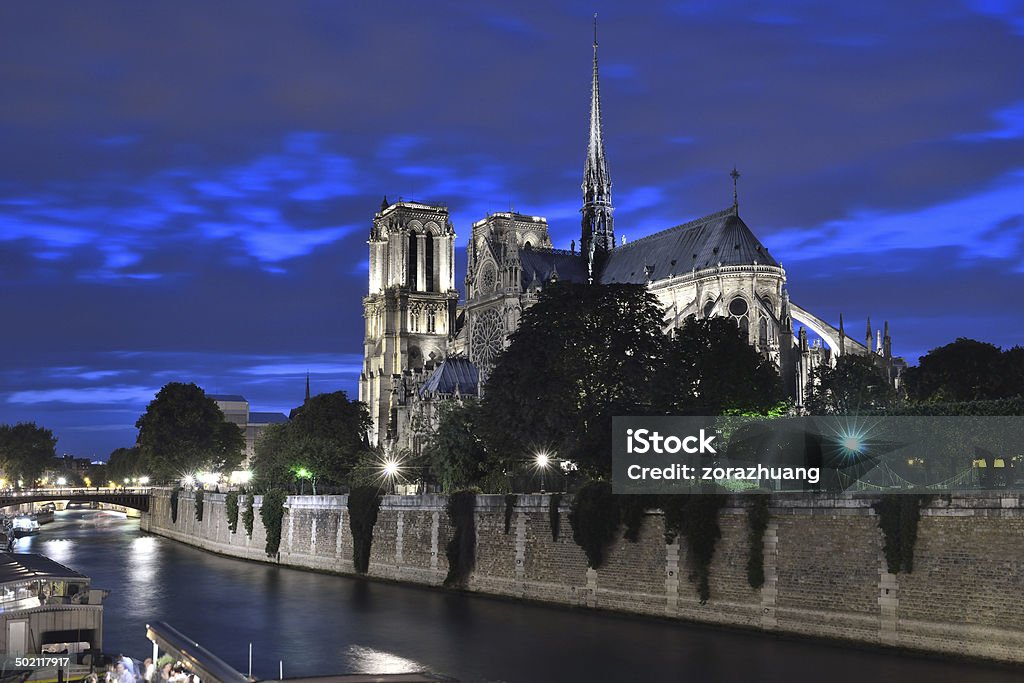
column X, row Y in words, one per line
column 422, row 346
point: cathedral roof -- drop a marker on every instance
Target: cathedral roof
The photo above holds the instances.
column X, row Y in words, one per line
column 566, row 265
column 718, row 239
column 453, row 375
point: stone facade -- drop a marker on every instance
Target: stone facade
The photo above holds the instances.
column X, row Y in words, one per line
column 825, row 573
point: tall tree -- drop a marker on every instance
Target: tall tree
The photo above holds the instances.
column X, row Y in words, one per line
column 124, row 463
column 183, row 431
column 855, row 384
column 710, row 368
column 965, row 370
column 455, row 451
column 581, row 355
column 25, row 451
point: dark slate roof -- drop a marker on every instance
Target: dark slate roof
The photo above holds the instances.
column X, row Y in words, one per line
column 267, row 418
column 29, row 566
column 544, row 262
column 722, row 238
column 226, row 397
column 451, row 373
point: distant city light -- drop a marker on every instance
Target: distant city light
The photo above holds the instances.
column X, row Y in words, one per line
column 61, row 481
column 143, row 480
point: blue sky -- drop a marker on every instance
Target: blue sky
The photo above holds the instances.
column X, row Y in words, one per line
column 187, row 189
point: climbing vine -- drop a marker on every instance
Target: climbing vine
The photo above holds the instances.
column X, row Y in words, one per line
column 898, row 517
column 199, row 505
column 696, row 519
column 363, row 506
column 555, row 515
column 249, row 516
column 231, row 506
column 461, row 548
column 174, row 504
column 272, row 513
column 510, row 504
column 757, row 523
column 631, row 512
column 594, row 517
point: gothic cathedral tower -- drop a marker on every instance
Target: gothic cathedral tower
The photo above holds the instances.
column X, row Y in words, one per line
column 410, row 309
column 598, row 234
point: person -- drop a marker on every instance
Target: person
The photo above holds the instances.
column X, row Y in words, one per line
column 148, row 670
column 121, row 673
column 165, row 674
column 129, row 665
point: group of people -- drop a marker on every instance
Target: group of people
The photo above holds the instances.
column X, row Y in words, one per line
column 125, row 670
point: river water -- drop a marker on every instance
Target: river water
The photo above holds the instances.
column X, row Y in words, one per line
column 322, row 624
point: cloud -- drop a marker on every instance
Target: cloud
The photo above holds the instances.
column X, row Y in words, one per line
column 106, row 395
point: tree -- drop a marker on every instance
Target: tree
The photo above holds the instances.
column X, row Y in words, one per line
column 455, row 451
column 324, row 441
column 710, row 368
column 581, row 355
column 122, row 464
column 967, row 370
column 25, row 451
column 855, row 384
column 183, row 431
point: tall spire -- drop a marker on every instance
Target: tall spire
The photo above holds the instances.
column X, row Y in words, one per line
column 307, row 387
column 598, row 233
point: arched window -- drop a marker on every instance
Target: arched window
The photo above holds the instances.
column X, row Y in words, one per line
column 428, row 247
column 708, row 307
column 411, row 258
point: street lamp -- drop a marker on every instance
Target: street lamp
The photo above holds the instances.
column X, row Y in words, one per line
column 61, row 481
column 542, row 460
column 143, row 480
column 303, row 474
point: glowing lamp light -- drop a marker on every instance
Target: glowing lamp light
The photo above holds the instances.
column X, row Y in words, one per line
column 143, row 480
column 188, row 480
column 543, row 460
column 303, row 473
column 61, row 481
column 390, row 468
column 209, row 478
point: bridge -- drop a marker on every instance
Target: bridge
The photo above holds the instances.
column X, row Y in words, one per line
column 137, row 497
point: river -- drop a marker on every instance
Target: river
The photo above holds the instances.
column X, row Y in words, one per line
column 322, row 624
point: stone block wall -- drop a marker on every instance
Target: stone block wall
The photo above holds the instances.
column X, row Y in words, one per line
column 825, row 574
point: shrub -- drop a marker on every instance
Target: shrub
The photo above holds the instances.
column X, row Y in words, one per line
column 461, row 548
column 199, row 504
column 631, row 511
column 272, row 513
column 594, row 517
column 363, row 506
column 757, row 523
column 249, row 516
column 231, row 506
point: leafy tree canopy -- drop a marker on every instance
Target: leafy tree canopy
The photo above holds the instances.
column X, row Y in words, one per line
column 122, row 464
column 581, row 354
column 967, row 370
column 856, row 384
column 710, row 368
column 25, row 451
column 183, row 431
column 324, row 441
column 455, row 452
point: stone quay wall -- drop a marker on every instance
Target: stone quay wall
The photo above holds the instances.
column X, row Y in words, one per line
column 825, row 572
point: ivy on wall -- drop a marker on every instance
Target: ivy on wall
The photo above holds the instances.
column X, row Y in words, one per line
column 199, row 505
column 272, row 513
column 757, row 523
column 695, row 518
column 461, row 548
column 249, row 516
column 898, row 517
column 632, row 509
column 363, row 506
column 555, row 515
column 231, row 506
column 594, row 517
column 510, row 504
column 174, row 504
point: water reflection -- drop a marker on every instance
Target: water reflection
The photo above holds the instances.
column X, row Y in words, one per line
column 321, row 624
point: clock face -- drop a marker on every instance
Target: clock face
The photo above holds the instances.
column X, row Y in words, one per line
column 488, row 338
column 487, row 279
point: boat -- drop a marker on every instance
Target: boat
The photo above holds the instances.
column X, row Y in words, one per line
column 45, row 513
column 25, row 525
column 48, row 612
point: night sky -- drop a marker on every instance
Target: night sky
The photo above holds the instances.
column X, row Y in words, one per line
column 186, row 188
